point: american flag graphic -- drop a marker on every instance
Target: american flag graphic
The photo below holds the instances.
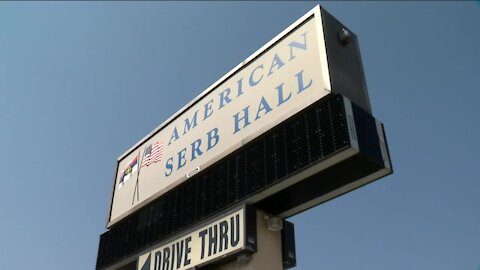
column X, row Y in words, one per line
column 152, row 154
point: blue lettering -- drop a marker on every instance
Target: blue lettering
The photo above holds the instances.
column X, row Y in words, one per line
column 212, row 136
column 181, row 158
column 224, row 98
column 276, row 62
column 196, row 149
column 174, row 135
column 190, row 124
column 281, row 98
column 263, row 106
column 237, row 119
column 240, row 90
column 169, row 167
column 253, row 82
column 301, row 86
column 298, row 45
column 208, row 109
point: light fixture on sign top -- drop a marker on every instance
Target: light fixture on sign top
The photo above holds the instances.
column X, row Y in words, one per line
column 344, row 36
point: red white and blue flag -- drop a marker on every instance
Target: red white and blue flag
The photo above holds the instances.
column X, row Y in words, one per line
column 152, row 154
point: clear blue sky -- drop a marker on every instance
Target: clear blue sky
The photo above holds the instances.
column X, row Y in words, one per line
column 81, row 82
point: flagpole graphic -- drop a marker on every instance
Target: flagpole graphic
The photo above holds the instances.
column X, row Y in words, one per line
column 152, row 153
column 137, row 188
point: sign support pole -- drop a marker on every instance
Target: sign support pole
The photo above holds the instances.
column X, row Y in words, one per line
column 269, row 251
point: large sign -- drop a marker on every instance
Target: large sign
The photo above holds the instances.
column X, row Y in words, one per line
column 225, row 236
column 322, row 142
column 285, row 76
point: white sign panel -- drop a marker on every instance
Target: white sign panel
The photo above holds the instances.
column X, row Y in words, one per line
column 285, row 76
column 217, row 239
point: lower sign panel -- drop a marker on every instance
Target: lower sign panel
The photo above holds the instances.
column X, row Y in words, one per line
column 231, row 234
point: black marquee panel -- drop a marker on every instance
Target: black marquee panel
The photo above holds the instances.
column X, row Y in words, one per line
column 309, row 137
